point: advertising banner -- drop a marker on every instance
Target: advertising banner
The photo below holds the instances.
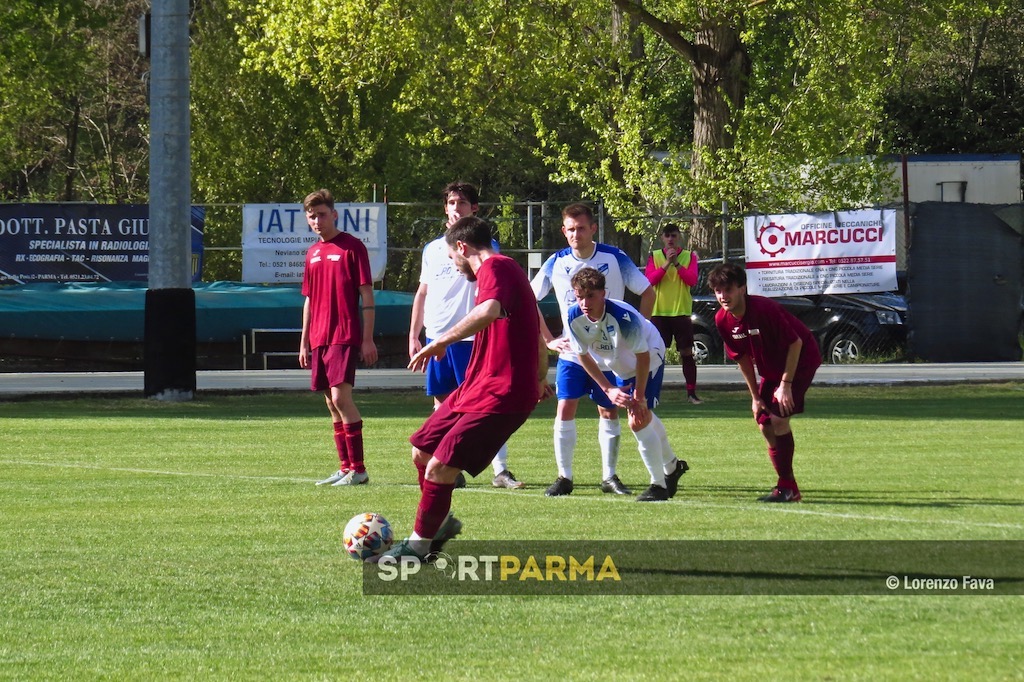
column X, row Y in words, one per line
column 275, row 238
column 832, row 253
column 63, row 243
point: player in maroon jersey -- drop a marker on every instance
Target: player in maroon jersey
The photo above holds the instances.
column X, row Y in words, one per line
column 758, row 332
column 506, row 376
column 336, row 332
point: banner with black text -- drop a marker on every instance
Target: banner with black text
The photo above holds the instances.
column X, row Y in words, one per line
column 63, row 243
column 822, row 253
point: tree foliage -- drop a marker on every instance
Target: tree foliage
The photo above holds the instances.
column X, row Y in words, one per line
column 659, row 107
column 73, row 111
column 962, row 89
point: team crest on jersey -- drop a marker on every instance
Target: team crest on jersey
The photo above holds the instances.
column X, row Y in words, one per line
column 602, row 268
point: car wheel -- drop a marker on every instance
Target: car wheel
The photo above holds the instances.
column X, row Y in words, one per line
column 844, row 348
column 703, row 346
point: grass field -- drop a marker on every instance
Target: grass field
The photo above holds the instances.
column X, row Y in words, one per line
column 144, row 540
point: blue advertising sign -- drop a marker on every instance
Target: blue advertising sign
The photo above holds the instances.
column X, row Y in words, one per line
column 82, row 243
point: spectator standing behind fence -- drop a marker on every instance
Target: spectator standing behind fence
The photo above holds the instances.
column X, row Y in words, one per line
column 444, row 297
column 336, row 278
column 758, row 332
column 672, row 270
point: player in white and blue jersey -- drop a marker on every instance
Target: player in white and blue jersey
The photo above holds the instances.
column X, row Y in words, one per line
column 573, row 382
column 624, row 354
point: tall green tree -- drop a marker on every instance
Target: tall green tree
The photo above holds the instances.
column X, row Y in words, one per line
column 73, row 110
column 962, row 88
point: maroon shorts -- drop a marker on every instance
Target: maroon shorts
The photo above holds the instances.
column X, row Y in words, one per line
column 801, row 382
column 333, row 366
column 466, row 440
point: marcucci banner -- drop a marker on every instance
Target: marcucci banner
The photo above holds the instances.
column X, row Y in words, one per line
column 832, row 253
column 63, row 243
column 275, row 238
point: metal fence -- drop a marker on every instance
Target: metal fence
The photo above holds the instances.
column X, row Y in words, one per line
column 849, row 328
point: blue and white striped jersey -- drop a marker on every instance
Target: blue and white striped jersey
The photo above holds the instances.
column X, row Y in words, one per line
column 615, row 339
column 619, row 271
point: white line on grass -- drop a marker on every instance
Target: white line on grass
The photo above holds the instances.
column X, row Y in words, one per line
column 157, row 472
column 698, row 503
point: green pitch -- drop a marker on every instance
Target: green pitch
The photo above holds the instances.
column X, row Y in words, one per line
column 141, row 540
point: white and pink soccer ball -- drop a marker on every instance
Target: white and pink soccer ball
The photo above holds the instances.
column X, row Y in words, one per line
column 367, row 535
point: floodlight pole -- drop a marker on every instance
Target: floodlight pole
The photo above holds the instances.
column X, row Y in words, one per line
column 170, row 326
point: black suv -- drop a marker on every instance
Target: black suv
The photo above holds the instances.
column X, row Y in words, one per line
column 847, row 326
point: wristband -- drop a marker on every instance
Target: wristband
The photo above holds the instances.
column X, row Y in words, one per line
column 786, row 381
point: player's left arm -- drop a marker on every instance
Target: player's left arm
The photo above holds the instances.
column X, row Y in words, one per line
column 784, row 393
column 647, row 302
column 643, row 372
column 368, row 349
column 544, row 390
column 689, row 273
column 637, row 282
column 477, row 320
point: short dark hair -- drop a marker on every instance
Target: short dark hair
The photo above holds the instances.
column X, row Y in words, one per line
column 578, row 211
column 588, row 279
column 321, row 197
column 670, row 228
column 727, row 273
column 464, row 188
column 470, row 230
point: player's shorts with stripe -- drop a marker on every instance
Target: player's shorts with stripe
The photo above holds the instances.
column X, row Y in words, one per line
column 652, row 392
column 572, row 383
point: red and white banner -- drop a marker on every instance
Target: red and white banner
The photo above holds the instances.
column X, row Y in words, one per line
column 832, row 253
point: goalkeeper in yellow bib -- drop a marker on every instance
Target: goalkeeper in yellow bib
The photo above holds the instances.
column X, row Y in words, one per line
column 672, row 270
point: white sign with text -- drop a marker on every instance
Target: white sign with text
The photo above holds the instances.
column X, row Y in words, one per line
column 833, row 253
column 275, row 238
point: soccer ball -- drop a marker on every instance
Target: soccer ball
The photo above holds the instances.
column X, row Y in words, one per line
column 367, row 535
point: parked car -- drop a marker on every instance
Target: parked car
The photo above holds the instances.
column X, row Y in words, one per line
column 847, row 326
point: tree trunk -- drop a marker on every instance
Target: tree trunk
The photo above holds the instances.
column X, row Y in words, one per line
column 720, row 81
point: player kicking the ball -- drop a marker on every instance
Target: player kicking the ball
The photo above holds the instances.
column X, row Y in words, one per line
column 504, row 381
column 758, row 332
column 625, row 356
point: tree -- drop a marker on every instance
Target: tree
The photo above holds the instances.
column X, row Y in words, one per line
column 781, row 91
column 73, row 116
column 962, row 89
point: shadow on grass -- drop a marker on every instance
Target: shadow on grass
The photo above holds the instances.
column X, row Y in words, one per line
column 819, row 497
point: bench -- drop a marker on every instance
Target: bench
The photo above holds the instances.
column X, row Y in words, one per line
column 249, row 344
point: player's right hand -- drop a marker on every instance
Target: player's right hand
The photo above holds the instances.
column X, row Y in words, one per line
column 421, row 359
column 546, row 390
column 559, row 345
column 415, row 346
